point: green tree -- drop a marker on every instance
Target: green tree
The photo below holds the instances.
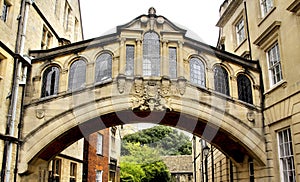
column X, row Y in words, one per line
column 142, row 164
column 164, row 139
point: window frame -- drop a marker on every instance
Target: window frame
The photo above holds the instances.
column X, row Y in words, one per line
column 99, row 147
column 199, row 79
column 266, row 6
column 151, row 59
column 73, row 171
column 6, row 6
column 247, row 94
column 240, row 31
column 172, row 62
column 220, row 88
column 99, row 175
column 71, row 84
column 274, row 64
column 105, row 58
column 282, row 155
column 45, row 83
column 129, row 69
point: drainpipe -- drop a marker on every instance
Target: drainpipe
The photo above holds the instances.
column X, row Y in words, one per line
column 11, row 117
column 247, row 26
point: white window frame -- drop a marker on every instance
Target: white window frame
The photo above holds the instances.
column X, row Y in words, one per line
column 274, row 64
column 266, row 6
column 285, row 155
column 99, row 144
column 240, row 31
column 99, row 175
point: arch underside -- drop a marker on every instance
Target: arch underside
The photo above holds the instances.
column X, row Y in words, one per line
column 223, row 140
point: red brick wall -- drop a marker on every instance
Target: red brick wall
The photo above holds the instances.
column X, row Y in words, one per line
column 98, row 162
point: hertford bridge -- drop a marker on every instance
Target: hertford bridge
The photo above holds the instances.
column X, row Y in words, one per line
column 148, row 70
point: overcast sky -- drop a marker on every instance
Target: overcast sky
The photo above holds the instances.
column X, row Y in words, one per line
column 199, row 16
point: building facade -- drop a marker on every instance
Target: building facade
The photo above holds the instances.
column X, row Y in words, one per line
column 27, row 25
column 245, row 103
column 268, row 31
column 102, row 156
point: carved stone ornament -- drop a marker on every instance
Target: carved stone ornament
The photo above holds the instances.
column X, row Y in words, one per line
column 121, row 83
column 40, row 113
column 181, row 85
column 151, row 95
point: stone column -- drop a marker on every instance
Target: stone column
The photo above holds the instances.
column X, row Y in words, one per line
column 139, row 58
column 90, row 73
column 165, row 60
column 180, row 59
column 122, row 58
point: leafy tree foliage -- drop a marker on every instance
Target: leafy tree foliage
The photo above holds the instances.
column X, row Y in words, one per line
column 164, row 139
column 143, row 164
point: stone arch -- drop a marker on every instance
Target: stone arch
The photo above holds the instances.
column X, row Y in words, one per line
column 68, row 62
column 225, row 128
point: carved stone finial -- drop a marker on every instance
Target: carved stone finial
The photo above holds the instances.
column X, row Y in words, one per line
column 152, row 11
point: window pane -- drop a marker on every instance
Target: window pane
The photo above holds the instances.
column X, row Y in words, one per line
column 129, row 60
column 103, row 67
column 5, row 10
column 286, row 156
column 172, row 62
column 77, row 75
column 99, row 144
column 244, row 89
column 50, row 81
column 197, row 72
column 221, row 80
column 274, row 64
column 151, row 54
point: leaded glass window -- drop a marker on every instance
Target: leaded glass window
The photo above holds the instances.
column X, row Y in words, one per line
column 197, row 72
column 50, row 81
column 244, row 89
column 129, row 60
column 77, row 75
column 172, row 62
column 286, row 156
column 221, row 80
column 274, row 64
column 151, row 54
column 103, row 67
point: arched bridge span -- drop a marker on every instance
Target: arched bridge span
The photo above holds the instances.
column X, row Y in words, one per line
column 54, row 123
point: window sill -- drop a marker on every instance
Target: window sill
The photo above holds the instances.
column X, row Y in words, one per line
column 266, row 16
column 274, row 87
column 240, row 44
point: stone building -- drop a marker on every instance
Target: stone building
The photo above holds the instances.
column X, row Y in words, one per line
column 152, row 70
column 180, row 166
column 27, row 25
column 267, row 31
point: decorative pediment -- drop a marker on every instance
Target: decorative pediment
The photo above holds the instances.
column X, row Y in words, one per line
column 151, row 22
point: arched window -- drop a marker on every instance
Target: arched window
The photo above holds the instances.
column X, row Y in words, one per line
column 103, row 67
column 244, row 89
column 77, row 75
column 197, row 72
column 221, row 80
column 151, row 54
column 50, row 81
